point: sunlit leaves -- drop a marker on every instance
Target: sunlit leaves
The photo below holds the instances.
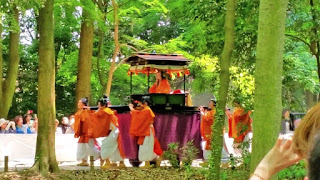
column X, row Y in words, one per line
column 205, row 72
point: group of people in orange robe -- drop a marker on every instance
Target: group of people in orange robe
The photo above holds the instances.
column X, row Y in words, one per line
column 239, row 125
column 90, row 125
column 104, row 123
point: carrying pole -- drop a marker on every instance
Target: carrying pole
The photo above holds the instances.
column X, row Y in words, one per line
column 148, row 80
column 184, row 83
column 130, row 83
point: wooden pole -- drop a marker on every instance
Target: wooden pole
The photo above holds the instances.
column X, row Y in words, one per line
column 6, row 162
column 91, row 163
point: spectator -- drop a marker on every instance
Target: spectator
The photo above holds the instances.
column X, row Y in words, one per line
column 279, row 157
column 296, row 123
column 26, row 119
column 65, row 124
column 7, row 126
column 285, row 122
column 70, row 130
column 304, row 145
column 58, row 129
column 34, row 127
column 29, row 120
column 20, row 127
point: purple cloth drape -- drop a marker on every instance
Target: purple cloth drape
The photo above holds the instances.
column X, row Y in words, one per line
column 169, row 128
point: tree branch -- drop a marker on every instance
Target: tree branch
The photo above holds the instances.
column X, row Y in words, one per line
column 121, row 62
column 300, row 39
column 30, row 34
column 318, row 49
column 118, row 6
column 127, row 45
column 145, row 50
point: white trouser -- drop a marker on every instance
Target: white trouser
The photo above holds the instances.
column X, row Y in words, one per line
column 87, row 149
column 109, row 146
column 146, row 149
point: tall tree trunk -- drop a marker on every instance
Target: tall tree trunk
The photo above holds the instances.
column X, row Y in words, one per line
column 103, row 8
column 314, row 45
column 116, row 46
column 85, row 57
column 268, row 77
column 9, row 85
column 1, row 60
column 45, row 160
column 217, row 141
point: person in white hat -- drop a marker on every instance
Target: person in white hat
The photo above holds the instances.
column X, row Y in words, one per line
column 5, row 126
column 70, row 129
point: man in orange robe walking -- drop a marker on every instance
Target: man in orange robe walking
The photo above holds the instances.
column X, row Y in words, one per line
column 87, row 146
column 206, row 123
column 239, row 123
column 141, row 127
column 105, row 124
column 207, row 120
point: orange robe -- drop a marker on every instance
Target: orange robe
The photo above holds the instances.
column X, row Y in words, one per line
column 100, row 123
column 163, row 87
column 206, row 131
column 82, row 126
column 141, row 122
column 239, row 124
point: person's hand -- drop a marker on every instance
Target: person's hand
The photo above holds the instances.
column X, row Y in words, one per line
column 9, row 125
column 278, row 158
column 86, row 107
column 12, row 124
column 130, row 106
column 201, row 109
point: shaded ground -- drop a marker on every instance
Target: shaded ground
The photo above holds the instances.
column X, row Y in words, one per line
column 129, row 173
column 163, row 173
column 69, row 170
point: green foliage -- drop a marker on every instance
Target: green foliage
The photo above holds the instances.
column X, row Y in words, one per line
column 189, row 153
column 66, row 79
column 245, row 158
column 242, row 87
column 172, row 154
column 25, row 97
column 192, row 28
column 238, row 174
column 205, row 69
column 297, row 171
column 300, row 74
